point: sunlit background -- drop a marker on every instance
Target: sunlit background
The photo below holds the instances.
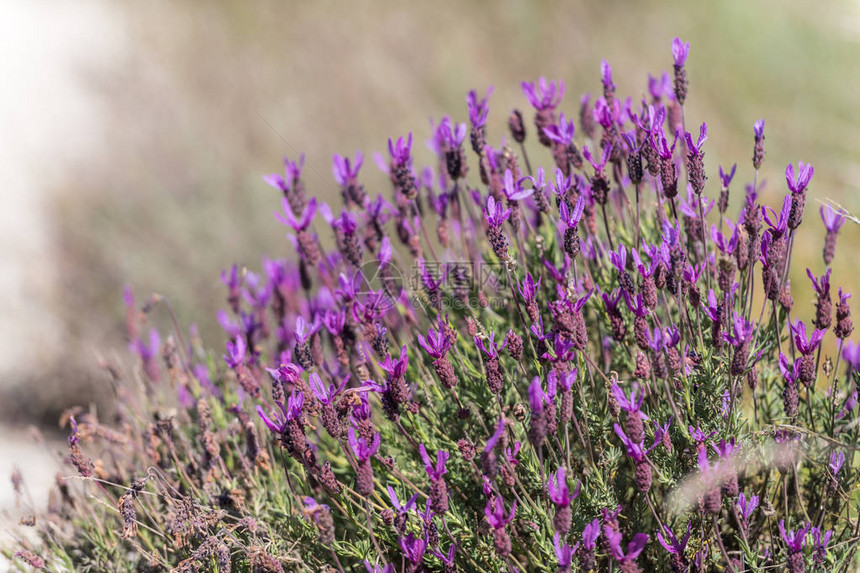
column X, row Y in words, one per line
column 134, row 136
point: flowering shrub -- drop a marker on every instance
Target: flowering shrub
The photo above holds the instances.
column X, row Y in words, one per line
column 582, row 367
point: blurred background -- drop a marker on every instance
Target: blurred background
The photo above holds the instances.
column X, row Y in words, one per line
column 134, row 137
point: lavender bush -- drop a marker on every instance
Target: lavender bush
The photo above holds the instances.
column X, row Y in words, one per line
column 495, row 368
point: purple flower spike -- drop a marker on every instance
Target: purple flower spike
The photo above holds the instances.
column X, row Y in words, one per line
column 537, row 396
column 606, row 76
column 726, row 178
column 631, row 404
column 543, row 95
column 413, row 548
column 495, row 213
column 619, row 259
column 741, row 331
column 529, row 288
column 436, row 343
column 563, row 552
column 793, row 540
column 746, row 506
column 322, row 393
column 361, row 448
column 478, row 109
column 562, row 133
column 235, row 353
column 590, row 535
column 758, row 129
column 304, row 330
column 634, row 548
column 806, row 346
column 558, row 491
column 396, row 368
column 447, row 560
column 514, row 190
column 833, row 220
column 636, row 451
column 572, row 218
column 301, row 223
column 804, row 176
column 821, row 285
column 401, row 150
column 344, row 170
column 491, row 349
column 495, row 512
column 388, row 568
column 395, row 502
column 778, row 225
column 436, row 472
column 671, row 543
column 598, row 166
column 696, row 149
column 680, row 51
column 837, row 459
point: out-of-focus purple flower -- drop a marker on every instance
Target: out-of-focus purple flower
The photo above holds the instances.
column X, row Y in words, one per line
column 590, row 534
column 595, row 164
column 758, row 129
column 478, row 108
column 301, row 223
column 619, row 259
column 680, row 51
column 821, row 285
column 837, row 459
column 388, row 568
column 413, row 548
column 537, row 396
column 851, row 354
column 726, row 178
column 606, row 76
column 563, row 552
column 634, row 548
column 563, row 132
column 543, row 95
column 495, row 512
column 344, row 170
column 671, row 543
column 304, row 330
column 636, row 451
column 833, row 220
column 235, row 352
